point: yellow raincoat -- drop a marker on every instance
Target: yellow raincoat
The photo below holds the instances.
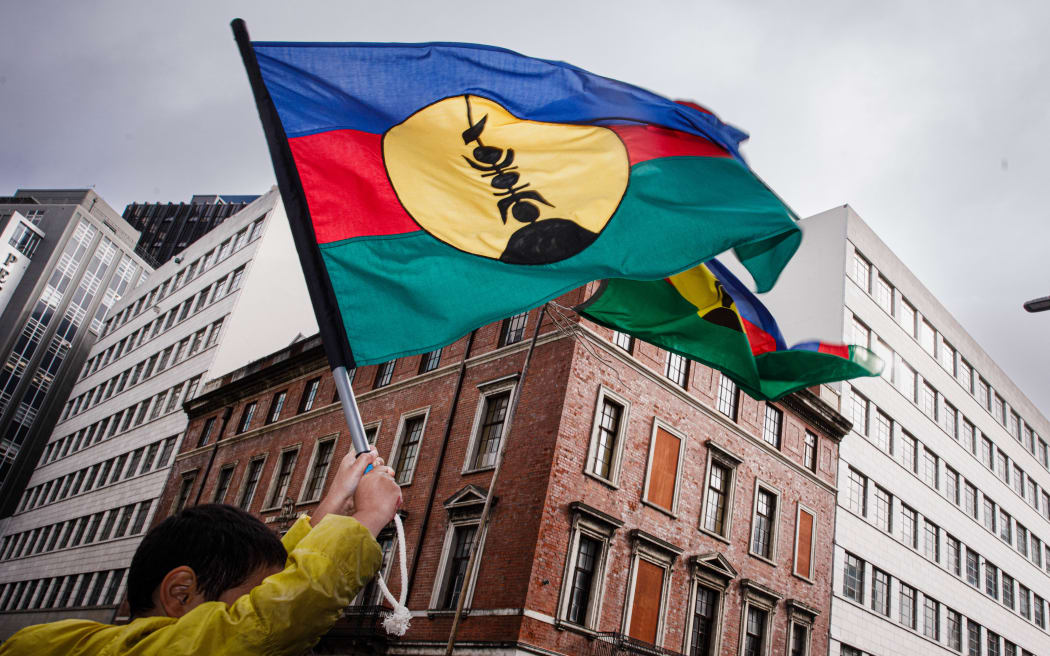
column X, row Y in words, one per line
column 286, row 614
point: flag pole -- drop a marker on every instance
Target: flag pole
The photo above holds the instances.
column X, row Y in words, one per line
column 322, row 298
column 511, row 411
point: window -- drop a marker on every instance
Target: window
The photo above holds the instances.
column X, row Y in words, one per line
column 809, row 455
column 970, row 500
column 456, row 569
column 909, row 452
column 1005, row 527
column 246, row 417
column 251, row 481
column 929, row 467
column 859, row 407
column 284, row 476
column 384, row 373
column 582, row 579
column 606, row 445
column 951, row 485
column 429, row 361
column 205, row 435
column 973, row 638
column 931, row 618
column 728, row 397
column 907, row 606
column 650, row 567
column 755, row 634
column 322, row 458
column 910, row 526
column 180, row 502
column 771, row 427
column 973, row 568
column 223, row 484
column 661, row 481
column 216, row 330
column 407, row 449
column 880, row 592
column 512, row 330
column 991, row 580
column 1008, row 590
column 882, row 434
column 992, row 643
column 953, row 627
column 703, row 635
column 861, row 272
column 883, row 509
column 623, row 340
column 309, row 394
column 857, row 492
column 954, row 549
column 884, row 294
column 718, row 498
column 488, row 435
column 932, row 542
column 805, row 538
column 764, row 523
column 676, row 369
column 583, row 582
column 275, row 406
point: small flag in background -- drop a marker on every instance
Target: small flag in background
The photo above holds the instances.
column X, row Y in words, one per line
column 706, row 314
column 445, row 186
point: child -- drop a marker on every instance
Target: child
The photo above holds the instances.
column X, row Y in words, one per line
column 213, row 579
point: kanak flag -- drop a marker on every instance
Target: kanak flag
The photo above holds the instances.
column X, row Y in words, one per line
column 444, row 186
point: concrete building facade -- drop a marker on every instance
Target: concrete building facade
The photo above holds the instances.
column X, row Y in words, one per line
column 644, row 506
column 95, row 487
column 78, row 261
column 943, row 529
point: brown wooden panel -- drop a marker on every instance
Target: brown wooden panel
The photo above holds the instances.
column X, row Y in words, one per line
column 804, row 546
column 645, row 609
column 664, row 469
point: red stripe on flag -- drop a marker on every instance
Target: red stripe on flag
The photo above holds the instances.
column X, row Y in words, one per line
column 840, row 350
column 646, row 142
column 760, row 341
column 346, row 186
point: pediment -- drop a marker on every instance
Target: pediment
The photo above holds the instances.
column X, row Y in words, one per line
column 714, row 563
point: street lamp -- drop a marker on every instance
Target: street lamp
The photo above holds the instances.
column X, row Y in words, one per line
column 1038, row 304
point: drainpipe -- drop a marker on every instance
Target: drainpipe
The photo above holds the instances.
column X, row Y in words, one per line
column 441, row 459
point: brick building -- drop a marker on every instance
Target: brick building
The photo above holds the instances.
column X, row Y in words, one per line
column 645, row 505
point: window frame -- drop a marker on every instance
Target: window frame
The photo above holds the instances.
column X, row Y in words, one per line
column 716, row 453
column 658, row 424
column 621, row 437
column 774, row 524
column 275, row 475
column 596, row 525
column 243, row 503
column 333, row 439
column 486, row 391
column 661, row 554
column 399, row 436
column 802, row 508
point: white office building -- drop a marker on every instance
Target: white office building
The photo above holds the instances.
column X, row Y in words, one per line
column 943, row 526
column 232, row 296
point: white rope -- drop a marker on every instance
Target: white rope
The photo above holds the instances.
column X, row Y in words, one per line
column 396, row 622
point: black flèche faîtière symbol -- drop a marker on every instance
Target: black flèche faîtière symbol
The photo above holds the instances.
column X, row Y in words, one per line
column 537, row 241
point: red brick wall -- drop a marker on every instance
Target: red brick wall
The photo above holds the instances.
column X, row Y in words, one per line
column 525, row 549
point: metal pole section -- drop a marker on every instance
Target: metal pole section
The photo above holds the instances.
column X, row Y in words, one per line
column 492, row 485
column 350, row 411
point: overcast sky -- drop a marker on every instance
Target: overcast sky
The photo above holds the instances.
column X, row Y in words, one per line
column 931, row 119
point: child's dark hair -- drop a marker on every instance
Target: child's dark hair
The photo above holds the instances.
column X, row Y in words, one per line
column 222, row 544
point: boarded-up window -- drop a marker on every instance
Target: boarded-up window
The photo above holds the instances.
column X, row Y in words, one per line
column 645, row 609
column 664, row 469
column 804, row 543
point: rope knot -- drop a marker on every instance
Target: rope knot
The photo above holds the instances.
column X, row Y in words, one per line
column 396, row 622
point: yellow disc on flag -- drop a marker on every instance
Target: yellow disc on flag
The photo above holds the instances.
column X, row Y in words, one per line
column 486, row 182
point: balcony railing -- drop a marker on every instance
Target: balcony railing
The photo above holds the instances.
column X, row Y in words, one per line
column 363, row 620
column 618, row 644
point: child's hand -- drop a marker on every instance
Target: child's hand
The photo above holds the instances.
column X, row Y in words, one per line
column 340, row 497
